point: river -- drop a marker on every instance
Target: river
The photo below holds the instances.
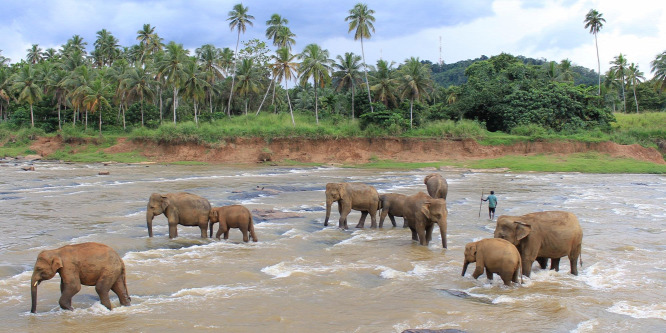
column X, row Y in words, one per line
column 304, row 277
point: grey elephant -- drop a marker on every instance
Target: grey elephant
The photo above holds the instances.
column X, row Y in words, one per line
column 495, row 255
column 543, row 235
column 179, row 208
column 89, row 264
column 354, row 196
column 436, row 185
column 393, row 205
column 422, row 213
column 234, row 216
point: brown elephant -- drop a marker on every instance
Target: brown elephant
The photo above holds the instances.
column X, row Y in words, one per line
column 436, row 185
column 234, row 216
column 354, row 196
column 392, row 205
column 422, row 213
column 550, row 234
column 179, row 208
column 495, row 255
column 90, row 264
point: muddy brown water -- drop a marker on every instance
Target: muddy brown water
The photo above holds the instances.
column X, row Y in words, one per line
column 304, row 277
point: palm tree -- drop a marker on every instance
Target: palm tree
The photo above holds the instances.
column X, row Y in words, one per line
column 50, row 54
column 415, row 83
column 635, row 76
column 34, row 55
column 361, row 19
column 139, row 84
column 238, row 19
column 73, row 44
column 566, row 74
column 248, row 80
column 77, row 82
column 107, row 49
column 149, row 41
column 620, row 67
column 3, row 60
column 208, row 57
column 274, row 24
column 316, row 65
column 5, row 85
column 26, row 83
column 285, row 69
column 347, row 74
column 171, row 68
column 595, row 22
column 96, row 97
column 53, row 82
column 384, row 83
column 285, row 38
column 194, row 85
column 658, row 66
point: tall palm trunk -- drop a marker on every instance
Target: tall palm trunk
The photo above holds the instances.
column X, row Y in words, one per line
column 316, row 104
column 291, row 112
column 100, row 120
column 159, row 91
column 265, row 95
column 624, row 98
column 86, row 126
column 59, row 126
column 635, row 98
column 74, row 116
column 596, row 44
column 196, row 120
column 365, row 69
column 233, row 75
column 352, row 100
column 411, row 117
column 32, row 117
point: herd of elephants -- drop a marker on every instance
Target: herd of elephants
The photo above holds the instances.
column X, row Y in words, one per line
column 518, row 240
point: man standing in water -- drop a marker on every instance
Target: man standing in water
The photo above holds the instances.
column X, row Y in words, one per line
column 492, row 203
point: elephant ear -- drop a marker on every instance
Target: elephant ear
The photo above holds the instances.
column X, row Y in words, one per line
column 56, row 264
column 165, row 202
column 522, row 230
column 342, row 191
column 425, row 209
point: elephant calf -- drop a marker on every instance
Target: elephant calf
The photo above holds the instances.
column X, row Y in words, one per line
column 90, row 264
column 234, row 216
column 393, row 205
column 436, row 185
column 354, row 196
column 179, row 208
column 495, row 255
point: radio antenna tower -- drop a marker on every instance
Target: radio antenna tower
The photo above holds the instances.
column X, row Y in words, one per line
column 440, row 50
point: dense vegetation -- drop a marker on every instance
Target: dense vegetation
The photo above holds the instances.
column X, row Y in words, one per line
column 158, row 89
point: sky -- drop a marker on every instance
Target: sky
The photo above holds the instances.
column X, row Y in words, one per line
column 446, row 30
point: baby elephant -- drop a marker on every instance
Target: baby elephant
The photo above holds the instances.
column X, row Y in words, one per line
column 496, row 255
column 90, row 264
column 234, row 216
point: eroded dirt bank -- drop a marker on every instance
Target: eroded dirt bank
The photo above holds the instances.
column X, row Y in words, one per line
column 359, row 150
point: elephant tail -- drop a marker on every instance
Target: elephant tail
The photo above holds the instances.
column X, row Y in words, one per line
column 124, row 275
column 581, row 259
column 252, row 233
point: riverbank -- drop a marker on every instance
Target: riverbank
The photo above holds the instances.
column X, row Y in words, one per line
column 403, row 153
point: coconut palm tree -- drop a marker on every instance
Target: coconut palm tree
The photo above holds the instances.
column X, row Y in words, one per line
column 249, row 80
column 238, row 19
column 26, row 83
column 658, row 67
column 566, row 74
column 51, row 54
column 96, row 97
column 360, row 19
column 285, row 38
column 209, row 58
column 107, row 49
column 595, row 22
column 74, row 44
column 315, row 64
column 274, row 24
column 384, row 83
column 34, row 55
column 3, row 60
column 5, row 85
column 171, row 68
column 635, row 76
column 347, row 74
column 284, row 68
column 53, row 83
column 415, row 83
column 77, row 82
column 139, row 85
column 620, row 67
column 194, row 85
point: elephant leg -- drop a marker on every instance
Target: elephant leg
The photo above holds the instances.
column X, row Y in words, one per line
column 515, row 276
column 120, row 290
column 405, row 224
column 429, row 233
column 373, row 218
column 382, row 216
column 226, row 234
column 478, row 271
column 203, row 227
column 506, row 277
column 422, row 236
column 342, row 224
column 543, row 262
column 414, row 234
column 245, row 236
column 555, row 264
column 173, row 230
column 392, row 220
column 102, row 288
column 573, row 258
column 222, row 230
column 489, row 275
column 361, row 221
column 68, row 291
column 527, row 267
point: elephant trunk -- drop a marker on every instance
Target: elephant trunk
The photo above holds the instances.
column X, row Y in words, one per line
column 149, row 222
column 33, row 292
column 465, row 267
column 329, row 202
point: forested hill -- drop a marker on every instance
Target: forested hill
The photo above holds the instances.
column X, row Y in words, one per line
column 454, row 74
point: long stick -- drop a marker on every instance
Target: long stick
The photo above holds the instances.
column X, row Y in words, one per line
column 481, row 204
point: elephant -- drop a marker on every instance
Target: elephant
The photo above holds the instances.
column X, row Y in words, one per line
column 234, row 216
column 436, row 185
column 179, row 208
column 392, row 205
column 496, row 255
column 543, row 235
column 90, row 264
column 354, row 196
column 422, row 213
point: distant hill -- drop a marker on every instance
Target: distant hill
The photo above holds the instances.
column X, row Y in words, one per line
column 454, row 74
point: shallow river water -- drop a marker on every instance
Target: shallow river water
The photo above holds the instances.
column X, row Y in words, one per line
column 304, row 277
